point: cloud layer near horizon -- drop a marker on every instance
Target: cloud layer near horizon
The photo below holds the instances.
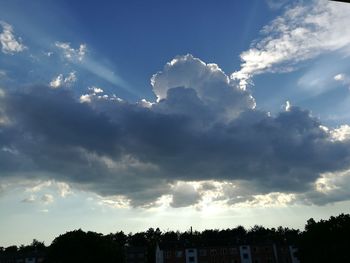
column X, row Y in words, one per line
column 202, row 129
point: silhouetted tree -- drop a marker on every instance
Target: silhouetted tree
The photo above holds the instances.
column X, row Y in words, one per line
column 137, row 239
column 11, row 249
column 153, row 238
column 326, row 240
column 169, row 236
column 78, row 246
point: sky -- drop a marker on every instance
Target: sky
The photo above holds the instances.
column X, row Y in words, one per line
column 125, row 115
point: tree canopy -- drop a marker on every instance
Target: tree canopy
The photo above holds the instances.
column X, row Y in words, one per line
column 323, row 241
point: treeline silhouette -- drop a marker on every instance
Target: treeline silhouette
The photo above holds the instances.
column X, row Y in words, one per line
column 322, row 241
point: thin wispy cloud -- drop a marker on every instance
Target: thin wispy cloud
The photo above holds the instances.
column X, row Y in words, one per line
column 3, row 74
column 47, row 199
column 29, row 199
column 276, row 4
column 302, row 32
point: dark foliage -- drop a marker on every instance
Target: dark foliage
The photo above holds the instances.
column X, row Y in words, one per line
column 13, row 253
column 326, row 240
column 323, row 241
column 80, row 246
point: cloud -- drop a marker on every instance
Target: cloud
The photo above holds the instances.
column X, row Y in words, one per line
column 96, row 93
column 341, row 133
column 288, row 106
column 85, row 98
column 276, row 4
column 47, row 199
column 343, row 79
column 184, row 194
column 145, row 103
column 329, row 188
column 38, row 186
column 29, row 199
column 274, row 199
column 2, row 189
column 70, row 53
column 3, row 74
column 83, row 59
column 202, row 128
column 96, row 90
column 70, row 78
column 339, row 77
column 57, row 82
column 205, row 87
column 9, row 43
column 302, row 32
column 64, row 189
column 115, row 202
column 62, row 81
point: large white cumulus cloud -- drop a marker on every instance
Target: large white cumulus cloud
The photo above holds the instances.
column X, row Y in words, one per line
column 209, row 83
column 201, row 129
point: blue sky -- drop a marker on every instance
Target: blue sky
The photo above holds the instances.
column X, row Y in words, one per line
column 137, row 114
column 135, row 39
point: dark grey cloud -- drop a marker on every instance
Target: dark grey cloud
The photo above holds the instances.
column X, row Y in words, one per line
column 56, row 116
column 202, row 128
column 184, row 195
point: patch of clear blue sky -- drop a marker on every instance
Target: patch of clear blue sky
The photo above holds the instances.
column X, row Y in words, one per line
column 136, row 38
column 310, row 86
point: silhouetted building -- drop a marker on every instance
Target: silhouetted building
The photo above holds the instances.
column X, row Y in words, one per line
column 180, row 252
column 136, row 254
column 30, row 257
